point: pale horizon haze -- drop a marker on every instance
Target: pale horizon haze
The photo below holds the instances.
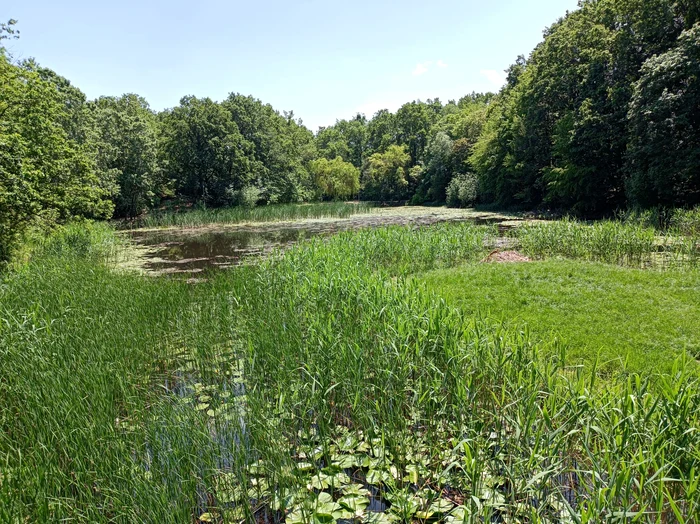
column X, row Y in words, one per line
column 322, row 60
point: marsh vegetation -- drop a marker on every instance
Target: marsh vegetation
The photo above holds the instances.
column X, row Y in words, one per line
column 197, row 324
column 380, row 375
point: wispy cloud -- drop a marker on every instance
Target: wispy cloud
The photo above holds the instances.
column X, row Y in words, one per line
column 422, row 68
column 497, row 78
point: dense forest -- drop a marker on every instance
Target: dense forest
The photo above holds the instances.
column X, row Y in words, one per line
column 603, row 115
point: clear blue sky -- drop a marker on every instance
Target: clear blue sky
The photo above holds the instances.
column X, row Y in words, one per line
column 322, row 59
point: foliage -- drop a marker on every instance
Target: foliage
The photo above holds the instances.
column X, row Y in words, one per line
column 45, row 176
column 282, row 149
column 232, row 215
column 247, row 197
column 256, row 394
column 462, row 191
column 609, row 241
column 385, row 175
column 438, row 166
column 206, row 154
column 335, row 179
column 126, row 149
column 558, row 134
column 664, row 149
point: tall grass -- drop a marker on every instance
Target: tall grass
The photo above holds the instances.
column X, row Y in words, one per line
column 676, row 220
column 608, row 241
column 232, row 215
column 299, row 389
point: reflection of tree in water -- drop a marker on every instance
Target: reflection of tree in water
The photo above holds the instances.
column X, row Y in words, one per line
column 184, row 251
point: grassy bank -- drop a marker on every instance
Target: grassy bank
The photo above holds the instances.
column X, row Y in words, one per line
column 639, row 320
column 322, row 385
column 240, row 214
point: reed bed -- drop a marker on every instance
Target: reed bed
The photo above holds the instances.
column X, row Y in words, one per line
column 238, row 214
column 613, row 242
column 321, row 385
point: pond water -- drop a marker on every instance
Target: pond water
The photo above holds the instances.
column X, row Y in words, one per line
column 190, row 251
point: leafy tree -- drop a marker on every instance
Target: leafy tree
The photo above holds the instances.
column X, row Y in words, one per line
column 346, row 139
column 126, row 150
column 282, row 148
column 413, row 123
column 204, row 152
column 462, row 190
column 381, row 132
column 45, row 177
column 386, row 175
column 558, row 134
column 439, row 166
column 335, row 179
column 664, row 116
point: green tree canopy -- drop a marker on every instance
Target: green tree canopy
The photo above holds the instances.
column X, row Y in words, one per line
column 664, row 116
column 205, row 153
column 335, row 179
column 45, row 176
column 125, row 143
column 386, row 175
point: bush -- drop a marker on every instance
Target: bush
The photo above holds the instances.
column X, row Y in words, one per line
column 246, row 197
column 461, row 191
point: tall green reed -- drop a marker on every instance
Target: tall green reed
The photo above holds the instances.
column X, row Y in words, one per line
column 231, row 215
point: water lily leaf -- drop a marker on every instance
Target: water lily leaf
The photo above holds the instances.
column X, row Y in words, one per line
column 377, row 476
column 227, row 488
column 327, row 508
column 207, row 517
column 305, row 466
column 411, row 474
column 437, row 507
column 345, row 461
column 354, row 503
column 378, row 518
column 318, row 481
column 202, row 406
column 356, row 489
column 236, row 514
column 492, row 498
column 256, row 469
column 298, row 516
column 460, row 515
column 324, row 498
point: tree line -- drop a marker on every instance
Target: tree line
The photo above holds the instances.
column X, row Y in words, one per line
column 604, row 114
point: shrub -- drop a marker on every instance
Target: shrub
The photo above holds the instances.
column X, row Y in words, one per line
column 246, row 197
column 461, row 191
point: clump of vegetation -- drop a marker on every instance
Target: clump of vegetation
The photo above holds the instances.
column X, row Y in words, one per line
column 248, row 197
column 608, row 241
column 322, row 384
column 238, row 214
column 462, row 191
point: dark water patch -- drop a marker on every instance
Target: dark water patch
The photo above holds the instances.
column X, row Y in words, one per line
column 185, row 252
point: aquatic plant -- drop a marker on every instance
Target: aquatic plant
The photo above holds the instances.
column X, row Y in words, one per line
column 321, row 385
column 245, row 213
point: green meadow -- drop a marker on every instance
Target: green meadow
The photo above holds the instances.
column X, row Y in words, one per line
column 380, row 375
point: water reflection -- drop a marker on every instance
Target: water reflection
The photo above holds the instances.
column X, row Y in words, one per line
column 183, row 251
